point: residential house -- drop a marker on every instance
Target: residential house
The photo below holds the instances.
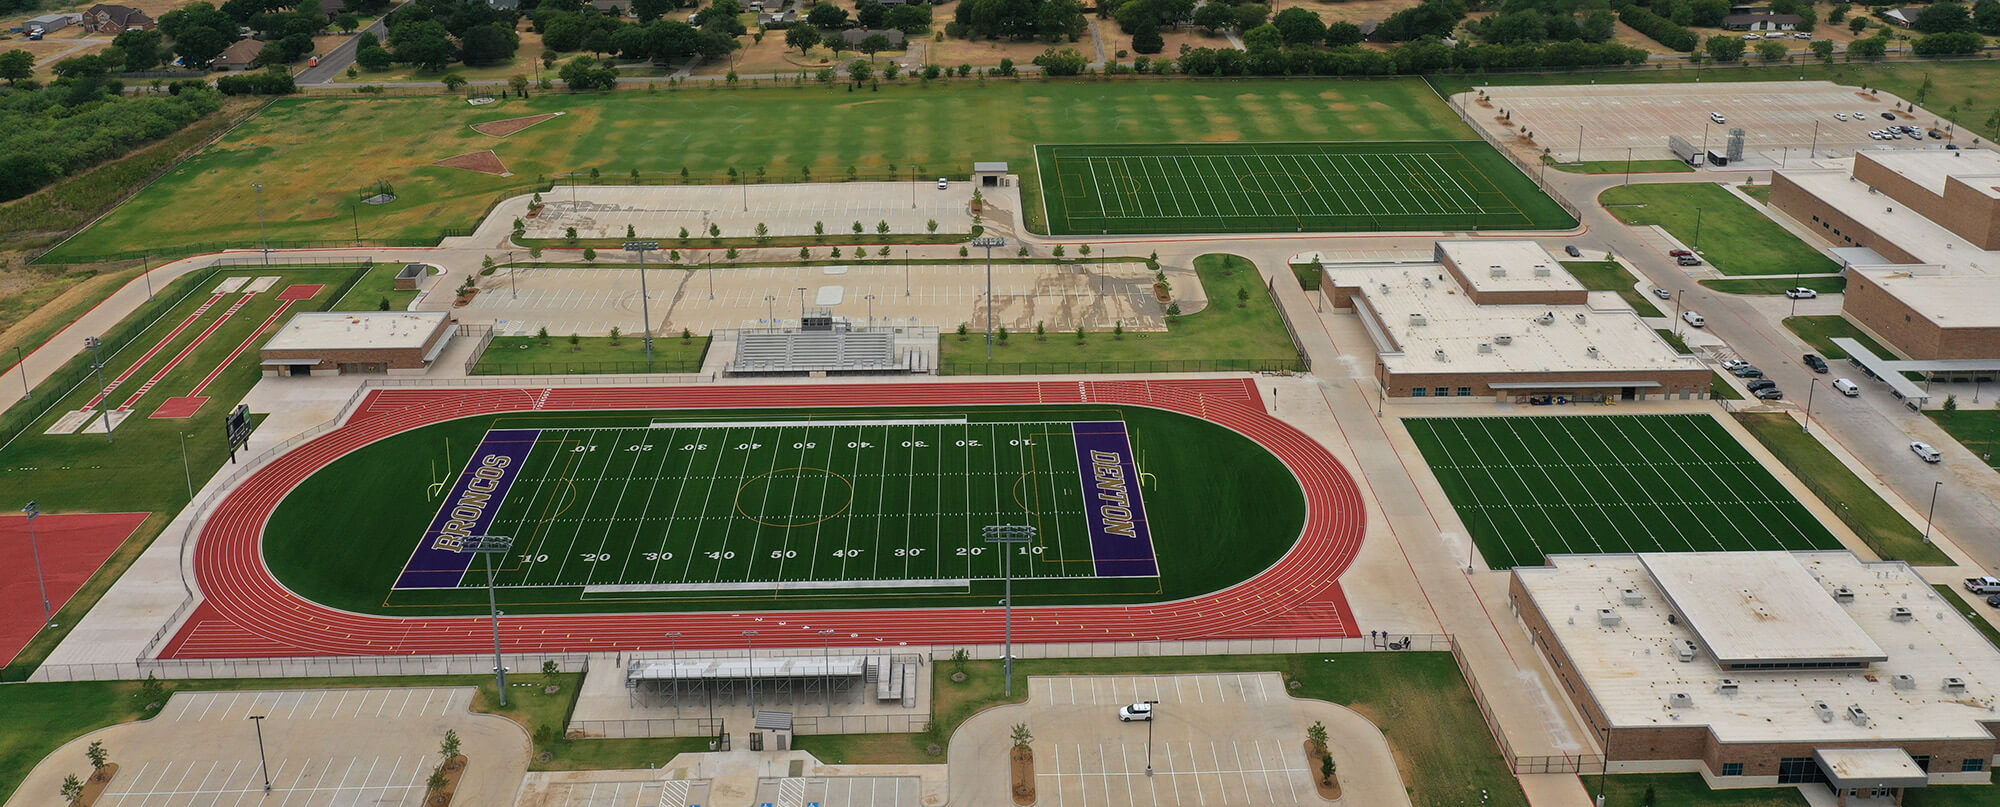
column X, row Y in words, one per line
column 240, row 56
column 115, row 20
column 1905, row 16
column 612, row 8
column 854, row 37
column 1761, row 22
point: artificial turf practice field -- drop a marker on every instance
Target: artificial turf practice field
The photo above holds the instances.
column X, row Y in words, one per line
column 1282, row 187
column 619, row 511
column 1528, row 487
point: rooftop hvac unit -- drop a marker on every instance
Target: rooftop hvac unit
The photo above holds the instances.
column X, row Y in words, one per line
column 1900, row 614
column 1589, row 351
column 1631, row 596
column 1496, row 271
column 1727, row 687
column 1438, row 354
column 1954, row 686
column 1680, row 700
column 1486, row 347
column 1418, row 319
column 1427, row 282
column 1857, row 715
column 1579, row 318
column 1608, row 618
column 1503, row 339
column 1824, row 711
column 1904, row 682
column 1547, row 318
column 1684, row 650
column 1843, row 594
column 1541, row 271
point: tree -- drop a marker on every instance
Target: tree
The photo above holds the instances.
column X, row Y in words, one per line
column 450, row 747
column 1064, row 62
column 519, row 84
column 72, row 788
column 542, row 334
column 860, row 72
column 1870, row 49
column 873, row 44
column 373, row 58
column 98, row 756
column 827, row 17
column 1951, row 403
column 590, row 253
column 1342, row 34
column 1326, row 768
column 1079, row 334
column 1707, row 13
column 1300, row 26
column 1001, row 335
column 452, row 82
column 1242, row 297
column 1986, row 17
column 575, row 342
column 1263, row 37
column 650, row 10
column 382, row 304
column 437, row 780
column 1858, row 24
column 549, row 666
column 1316, row 734
column 1058, row 252
column 346, row 22
column 882, row 227
column 1771, row 51
column 1146, row 38
column 912, row 19
column 423, row 43
column 804, row 37
column 1021, row 736
column 1943, row 18
column 489, row 44
column 1251, row 15
column 1823, row 48
column 200, row 32
column 16, row 65
column 805, row 253
column 1724, row 48
column 1215, row 18
column 141, row 48
column 763, row 232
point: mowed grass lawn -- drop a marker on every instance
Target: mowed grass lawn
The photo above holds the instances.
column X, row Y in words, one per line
column 316, row 156
column 1685, row 790
column 1879, row 526
column 1820, row 331
column 1824, row 284
column 1976, row 429
column 1612, row 276
column 583, row 355
column 1229, row 333
column 1529, row 487
column 1622, row 166
column 1738, row 239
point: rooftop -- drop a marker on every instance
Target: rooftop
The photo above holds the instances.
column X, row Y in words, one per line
column 1508, row 266
column 1633, row 673
column 1758, row 608
column 1978, row 168
column 1428, row 324
column 351, row 330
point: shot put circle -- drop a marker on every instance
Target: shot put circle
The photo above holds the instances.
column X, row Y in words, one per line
column 754, row 500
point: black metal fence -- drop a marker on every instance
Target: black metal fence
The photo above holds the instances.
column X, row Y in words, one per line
column 1268, row 365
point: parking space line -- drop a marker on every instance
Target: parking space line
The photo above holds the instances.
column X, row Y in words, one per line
column 1125, row 765
column 202, row 786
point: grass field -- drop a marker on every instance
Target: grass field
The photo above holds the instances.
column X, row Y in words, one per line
column 1622, row 166
column 1736, row 238
column 1820, row 331
column 1853, row 501
column 1248, row 335
column 1976, row 429
column 717, row 509
column 1288, row 187
column 1528, row 487
column 527, row 355
column 376, row 286
column 1824, row 284
column 1612, row 276
column 315, row 155
column 1685, row 790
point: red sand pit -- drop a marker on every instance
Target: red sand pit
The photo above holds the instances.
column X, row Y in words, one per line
column 73, row 546
column 248, row 613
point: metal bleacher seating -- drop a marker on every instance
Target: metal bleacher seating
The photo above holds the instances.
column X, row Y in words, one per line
column 828, row 351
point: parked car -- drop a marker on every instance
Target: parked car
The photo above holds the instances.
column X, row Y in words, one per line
column 1693, row 319
column 1888, row 116
column 1771, row 393
column 1813, row 360
column 1573, row 251
column 1801, row 293
column 943, row 183
column 1747, row 371
column 1135, row 711
column 1717, row 117
column 1663, row 294
column 1732, row 364
column 1983, row 585
column 1761, row 383
column 1847, row 388
column 1924, row 451
column 1935, row 134
column 1993, row 600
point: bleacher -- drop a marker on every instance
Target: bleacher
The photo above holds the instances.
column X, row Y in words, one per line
column 821, row 351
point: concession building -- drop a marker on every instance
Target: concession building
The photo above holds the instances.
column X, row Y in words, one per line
column 358, row 342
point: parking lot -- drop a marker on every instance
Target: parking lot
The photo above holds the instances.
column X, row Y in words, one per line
column 839, row 791
column 1216, row 739
column 1782, row 120
column 661, row 211
column 638, row 793
column 323, row 748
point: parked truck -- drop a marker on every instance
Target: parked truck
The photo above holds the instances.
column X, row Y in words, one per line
column 1982, row 585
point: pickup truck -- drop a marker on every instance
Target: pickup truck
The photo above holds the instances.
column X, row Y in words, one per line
column 1982, row 585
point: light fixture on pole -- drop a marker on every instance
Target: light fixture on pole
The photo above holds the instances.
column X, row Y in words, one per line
column 674, row 660
column 989, row 242
column 21, row 364
column 263, row 235
column 645, row 305
column 1932, row 513
column 1151, row 716
column 1813, row 386
column 913, row 186
column 871, row 309
column 263, row 764
column 750, row 667
column 1006, row 536
column 96, row 348
column 33, row 510
column 771, row 309
column 187, row 468
column 826, row 667
column 487, row 546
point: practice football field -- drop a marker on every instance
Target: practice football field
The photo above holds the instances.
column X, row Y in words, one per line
column 1528, row 487
column 1288, row 187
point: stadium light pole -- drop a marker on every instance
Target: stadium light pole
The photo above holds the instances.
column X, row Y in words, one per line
column 1149, row 735
column 989, row 242
column 263, row 763
column 645, row 305
column 21, row 363
column 750, row 670
column 263, row 235
column 802, row 308
column 871, row 309
column 906, row 273
column 187, row 468
column 96, row 346
column 488, row 546
column 913, row 186
column 146, row 267
column 1811, row 387
column 1933, row 511
column 771, row 309
column 1006, row 536
column 674, row 659
column 826, row 667
column 33, row 510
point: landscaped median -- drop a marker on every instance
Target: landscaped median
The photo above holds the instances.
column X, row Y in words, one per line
column 1612, row 276
column 1878, row 525
column 1824, row 284
column 570, row 354
column 1622, row 167
column 1239, row 330
column 1737, row 238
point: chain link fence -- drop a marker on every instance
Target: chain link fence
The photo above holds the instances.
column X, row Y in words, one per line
column 310, row 667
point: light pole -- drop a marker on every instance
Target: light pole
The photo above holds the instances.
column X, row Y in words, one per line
column 1151, row 716
column 1810, row 389
column 871, row 309
column 33, row 510
column 146, row 265
column 263, row 764
column 674, row 660
column 513, row 275
column 645, row 305
column 1677, row 311
column 989, row 242
column 1933, row 511
column 750, row 669
column 771, row 309
column 185, row 467
column 913, row 186
column 906, row 273
column 1006, row 536
column 263, row 235
column 1814, row 149
column 826, row 667
column 1697, row 228
column 96, row 345
column 488, row 546
column 21, row 363
column 802, row 308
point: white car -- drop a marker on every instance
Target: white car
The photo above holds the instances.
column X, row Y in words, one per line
column 1840, row 116
column 1731, row 364
column 1663, row 294
column 1717, row 117
column 1135, row 711
column 943, row 183
column 1924, row 451
column 1752, row 37
column 1801, row 293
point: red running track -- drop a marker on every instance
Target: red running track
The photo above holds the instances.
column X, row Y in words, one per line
column 247, row 613
column 73, row 546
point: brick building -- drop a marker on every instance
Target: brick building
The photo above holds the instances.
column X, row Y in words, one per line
column 1768, row 668
column 114, row 20
column 358, row 342
column 1504, row 320
column 1927, row 227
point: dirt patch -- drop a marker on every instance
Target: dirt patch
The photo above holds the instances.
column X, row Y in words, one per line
column 1021, row 762
column 485, row 162
column 503, row 128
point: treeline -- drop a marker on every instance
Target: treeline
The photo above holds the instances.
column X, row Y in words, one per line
column 1427, row 56
column 51, row 132
column 434, row 34
column 1019, row 20
column 1660, row 29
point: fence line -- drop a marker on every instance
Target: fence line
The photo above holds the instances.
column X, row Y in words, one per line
column 1271, row 288
column 308, row 667
column 705, row 727
column 485, row 333
column 1540, row 177
column 1266, row 365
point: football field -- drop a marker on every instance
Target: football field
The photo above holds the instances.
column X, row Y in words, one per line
column 1529, row 487
column 823, row 505
column 1288, row 187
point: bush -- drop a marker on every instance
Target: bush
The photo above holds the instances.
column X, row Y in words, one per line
column 270, row 83
column 1958, row 43
column 1660, row 29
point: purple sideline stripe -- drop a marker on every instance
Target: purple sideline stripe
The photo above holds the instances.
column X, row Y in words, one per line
column 1120, row 542
column 468, row 511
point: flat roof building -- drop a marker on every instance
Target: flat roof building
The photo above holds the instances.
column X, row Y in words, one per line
column 1763, row 668
column 358, row 342
column 1505, row 320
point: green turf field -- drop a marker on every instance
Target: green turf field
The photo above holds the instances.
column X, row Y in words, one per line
column 1288, row 187
column 1528, row 487
column 728, row 509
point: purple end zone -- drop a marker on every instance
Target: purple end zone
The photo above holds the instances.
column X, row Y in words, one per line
column 470, row 508
column 1119, row 539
